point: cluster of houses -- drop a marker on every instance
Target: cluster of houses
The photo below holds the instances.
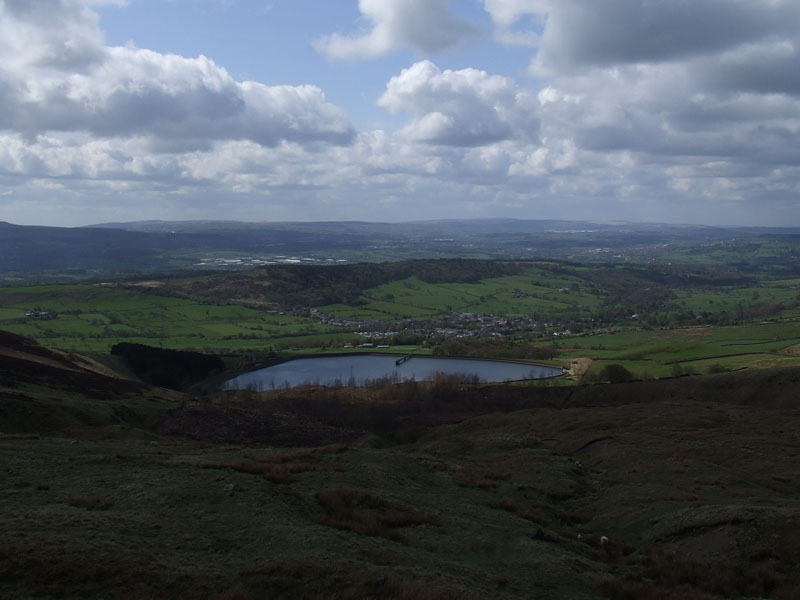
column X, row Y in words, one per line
column 41, row 315
column 454, row 325
column 366, row 345
column 242, row 262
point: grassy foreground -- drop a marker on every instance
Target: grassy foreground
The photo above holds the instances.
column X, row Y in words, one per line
column 411, row 491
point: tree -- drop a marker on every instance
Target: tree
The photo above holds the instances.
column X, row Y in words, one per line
column 615, row 373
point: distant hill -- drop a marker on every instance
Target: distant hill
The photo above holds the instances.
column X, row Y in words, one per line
column 30, row 249
column 84, row 251
column 150, row 246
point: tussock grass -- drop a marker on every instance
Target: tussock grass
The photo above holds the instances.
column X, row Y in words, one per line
column 90, row 502
column 529, row 514
column 685, row 462
column 279, row 468
column 480, row 478
column 366, row 514
column 667, row 576
column 291, row 579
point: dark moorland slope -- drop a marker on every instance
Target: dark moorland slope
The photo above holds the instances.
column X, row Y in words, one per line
column 683, row 488
column 44, row 390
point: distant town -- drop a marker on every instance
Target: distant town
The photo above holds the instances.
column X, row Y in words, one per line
column 244, row 262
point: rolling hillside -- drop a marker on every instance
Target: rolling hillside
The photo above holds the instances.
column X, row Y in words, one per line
column 669, row 489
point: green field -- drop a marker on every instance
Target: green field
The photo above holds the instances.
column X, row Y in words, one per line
column 531, row 293
column 732, row 325
column 660, row 353
column 95, row 317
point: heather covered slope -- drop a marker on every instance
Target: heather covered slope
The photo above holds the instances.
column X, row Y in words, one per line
column 435, row 490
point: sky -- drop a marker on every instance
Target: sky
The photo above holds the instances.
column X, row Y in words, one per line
column 674, row 111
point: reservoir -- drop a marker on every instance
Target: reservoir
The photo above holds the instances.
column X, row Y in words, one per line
column 359, row 369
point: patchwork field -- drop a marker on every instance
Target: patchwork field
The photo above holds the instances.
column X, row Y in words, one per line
column 662, row 353
column 566, row 311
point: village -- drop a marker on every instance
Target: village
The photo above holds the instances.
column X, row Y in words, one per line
column 457, row 325
column 248, row 262
column 39, row 315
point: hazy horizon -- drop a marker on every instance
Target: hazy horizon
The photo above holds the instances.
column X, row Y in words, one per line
column 605, row 222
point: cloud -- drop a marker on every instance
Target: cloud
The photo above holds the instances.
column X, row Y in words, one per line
column 506, row 15
column 49, row 35
column 580, row 34
column 58, row 76
column 769, row 67
column 506, row 12
column 596, row 33
column 660, row 110
column 692, row 103
column 426, row 26
column 467, row 107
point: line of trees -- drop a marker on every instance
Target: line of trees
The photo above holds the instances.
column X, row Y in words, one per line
column 493, row 348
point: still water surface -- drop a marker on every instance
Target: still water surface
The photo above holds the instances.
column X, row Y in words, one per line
column 359, row 368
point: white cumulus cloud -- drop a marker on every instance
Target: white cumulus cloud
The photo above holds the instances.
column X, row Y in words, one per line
column 427, row 26
column 468, row 107
column 57, row 75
